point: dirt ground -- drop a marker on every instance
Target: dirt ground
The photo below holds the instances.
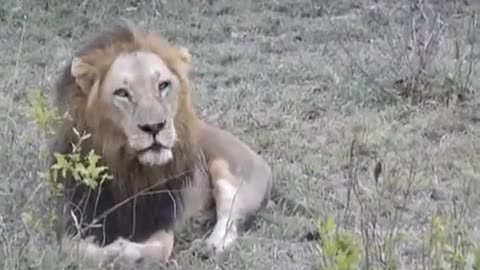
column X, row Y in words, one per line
column 322, row 89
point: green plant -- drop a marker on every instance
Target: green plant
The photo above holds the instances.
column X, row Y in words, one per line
column 41, row 113
column 339, row 250
column 445, row 255
column 82, row 166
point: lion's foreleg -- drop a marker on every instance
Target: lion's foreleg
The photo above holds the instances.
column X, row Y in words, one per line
column 90, row 252
column 156, row 249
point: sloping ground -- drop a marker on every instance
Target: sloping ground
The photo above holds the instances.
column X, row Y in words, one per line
column 302, row 83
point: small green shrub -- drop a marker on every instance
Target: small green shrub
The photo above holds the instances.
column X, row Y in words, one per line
column 83, row 168
column 339, row 250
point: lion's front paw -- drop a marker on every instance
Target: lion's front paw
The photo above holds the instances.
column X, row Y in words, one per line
column 124, row 250
column 113, row 250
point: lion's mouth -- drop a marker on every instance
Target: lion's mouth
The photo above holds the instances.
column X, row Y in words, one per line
column 155, row 147
column 155, row 154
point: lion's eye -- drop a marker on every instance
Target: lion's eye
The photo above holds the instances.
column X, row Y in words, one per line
column 163, row 85
column 122, row 92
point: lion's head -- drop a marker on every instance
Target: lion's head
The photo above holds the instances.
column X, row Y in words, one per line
column 132, row 93
column 140, row 93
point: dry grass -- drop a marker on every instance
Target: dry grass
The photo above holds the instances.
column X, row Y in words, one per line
column 328, row 93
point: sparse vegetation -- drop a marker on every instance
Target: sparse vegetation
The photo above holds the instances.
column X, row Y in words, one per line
column 82, row 167
column 368, row 113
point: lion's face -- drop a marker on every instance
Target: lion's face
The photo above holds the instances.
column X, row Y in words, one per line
column 140, row 93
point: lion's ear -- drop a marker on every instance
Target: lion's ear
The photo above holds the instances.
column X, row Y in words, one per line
column 185, row 60
column 185, row 55
column 83, row 73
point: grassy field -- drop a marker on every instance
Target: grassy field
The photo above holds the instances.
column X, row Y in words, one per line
column 366, row 110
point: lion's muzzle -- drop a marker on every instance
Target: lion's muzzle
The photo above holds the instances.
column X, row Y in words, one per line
column 154, row 142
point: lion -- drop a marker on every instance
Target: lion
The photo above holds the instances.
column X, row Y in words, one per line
column 131, row 91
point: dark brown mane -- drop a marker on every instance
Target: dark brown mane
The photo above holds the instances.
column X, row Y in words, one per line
column 134, row 219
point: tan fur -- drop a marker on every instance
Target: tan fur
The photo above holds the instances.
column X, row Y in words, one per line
column 221, row 167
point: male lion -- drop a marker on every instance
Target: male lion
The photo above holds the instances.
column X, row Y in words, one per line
column 130, row 90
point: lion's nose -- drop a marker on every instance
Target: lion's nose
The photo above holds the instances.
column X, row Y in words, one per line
column 152, row 129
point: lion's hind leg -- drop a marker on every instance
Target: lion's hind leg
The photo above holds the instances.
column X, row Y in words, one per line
column 228, row 214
